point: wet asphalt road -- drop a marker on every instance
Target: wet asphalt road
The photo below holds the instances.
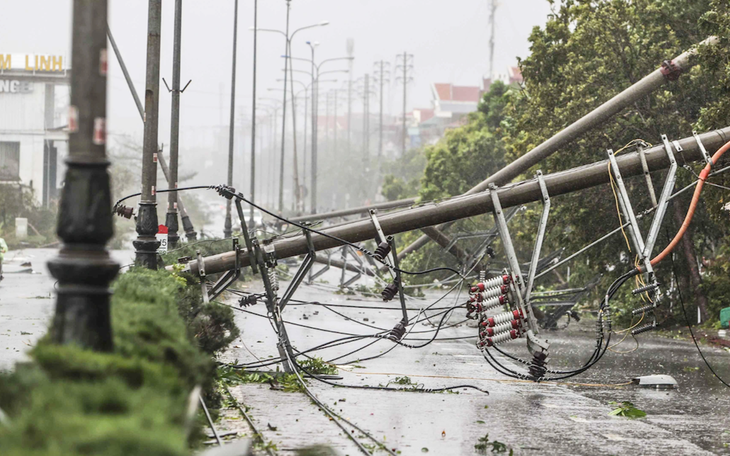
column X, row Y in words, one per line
column 26, row 301
column 528, row 418
column 547, row 418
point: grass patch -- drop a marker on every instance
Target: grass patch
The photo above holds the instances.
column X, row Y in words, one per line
column 70, row 401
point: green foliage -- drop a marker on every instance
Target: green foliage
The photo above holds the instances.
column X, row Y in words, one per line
column 317, row 365
column 627, row 410
column 469, row 154
column 586, row 53
column 404, row 182
column 278, row 380
column 16, row 201
column 484, row 444
column 72, row 401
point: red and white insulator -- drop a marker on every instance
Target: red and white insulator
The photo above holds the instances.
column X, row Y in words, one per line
column 495, row 301
column 499, row 338
column 500, row 328
column 494, row 320
column 493, row 282
column 494, row 291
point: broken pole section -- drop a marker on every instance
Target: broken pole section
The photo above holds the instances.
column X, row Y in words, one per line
column 146, row 244
column 478, row 203
column 83, row 267
column 669, row 71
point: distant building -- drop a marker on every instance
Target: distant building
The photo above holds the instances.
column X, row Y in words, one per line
column 33, row 129
column 451, row 105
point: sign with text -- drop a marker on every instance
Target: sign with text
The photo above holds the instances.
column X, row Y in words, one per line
column 10, row 86
column 32, row 62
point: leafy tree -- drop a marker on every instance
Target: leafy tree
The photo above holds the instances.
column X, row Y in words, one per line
column 587, row 52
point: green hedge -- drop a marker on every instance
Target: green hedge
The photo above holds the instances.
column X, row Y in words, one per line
column 71, row 401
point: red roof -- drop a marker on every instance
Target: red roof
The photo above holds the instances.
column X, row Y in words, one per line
column 443, row 91
column 449, row 92
column 465, row 93
column 424, row 114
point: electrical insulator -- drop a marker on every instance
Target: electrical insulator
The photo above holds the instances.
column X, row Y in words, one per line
column 495, row 291
column 273, row 279
column 647, row 308
column 493, row 282
column 248, row 300
column 470, row 308
column 502, row 317
column 499, row 338
column 537, row 366
column 124, row 211
column 381, row 251
column 644, row 289
column 226, row 191
column 389, row 292
column 644, row 328
column 397, row 332
column 495, row 301
column 500, row 328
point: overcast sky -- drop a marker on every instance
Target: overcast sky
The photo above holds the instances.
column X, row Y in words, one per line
column 448, row 38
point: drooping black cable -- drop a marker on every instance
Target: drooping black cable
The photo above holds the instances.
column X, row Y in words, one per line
column 689, row 326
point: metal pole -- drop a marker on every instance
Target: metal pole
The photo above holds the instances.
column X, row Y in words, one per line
column 335, row 122
column 315, row 121
column 253, row 110
column 146, row 243
column 295, row 167
column 83, row 266
column 172, row 203
column 304, row 154
column 126, row 73
column 492, row 12
column 186, row 222
column 405, row 85
column 283, row 115
column 520, row 193
column 380, row 128
column 228, row 226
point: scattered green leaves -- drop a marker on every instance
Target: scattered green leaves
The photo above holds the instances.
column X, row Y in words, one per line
column 494, row 446
column 627, row 410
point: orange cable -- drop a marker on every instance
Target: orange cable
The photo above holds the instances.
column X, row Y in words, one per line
column 692, row 207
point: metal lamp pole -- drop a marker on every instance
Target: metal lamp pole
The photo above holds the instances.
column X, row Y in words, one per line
column 172, row 202
column 227, row 227
column 146, row 244
column 287, row 53
column 253, row 111
column 83, row 266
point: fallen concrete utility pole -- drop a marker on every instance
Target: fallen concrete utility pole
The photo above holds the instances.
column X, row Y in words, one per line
column 341, row 264
column 669, row 71
column 361, row 210
column 478, row 203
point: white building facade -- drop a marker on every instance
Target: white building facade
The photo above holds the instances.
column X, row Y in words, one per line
column 33, row 122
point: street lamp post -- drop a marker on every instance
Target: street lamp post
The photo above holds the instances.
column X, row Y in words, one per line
column 315, row 74
column 83, row 266
column 287, row 53
column 227, row 227
column 253, row 112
